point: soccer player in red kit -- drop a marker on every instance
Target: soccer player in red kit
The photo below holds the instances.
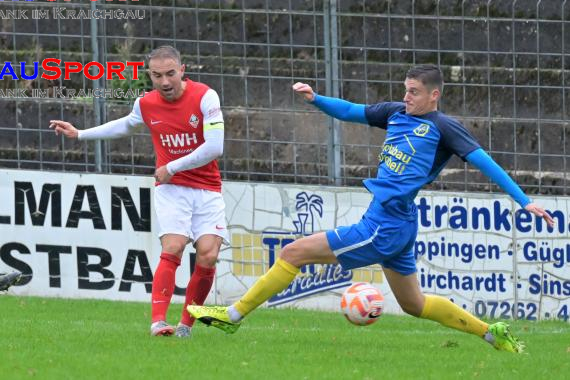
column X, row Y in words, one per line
column 187, row 129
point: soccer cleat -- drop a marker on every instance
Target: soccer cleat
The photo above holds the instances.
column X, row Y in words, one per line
column 9, row 279
column 504, row 339
column 216, row 316
column 161, row 328
column 183, row 331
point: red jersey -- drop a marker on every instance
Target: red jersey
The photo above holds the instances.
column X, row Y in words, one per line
column 177, row 129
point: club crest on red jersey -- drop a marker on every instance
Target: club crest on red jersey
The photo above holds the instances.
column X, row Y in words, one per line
column 194, row 121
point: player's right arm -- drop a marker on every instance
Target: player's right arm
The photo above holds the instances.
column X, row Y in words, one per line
column 335, row 107
column 124, row 126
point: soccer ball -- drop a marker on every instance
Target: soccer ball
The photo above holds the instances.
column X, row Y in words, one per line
column 362, row 303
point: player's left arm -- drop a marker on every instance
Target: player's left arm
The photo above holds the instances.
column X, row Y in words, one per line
column 211, row 149
column 482, row 161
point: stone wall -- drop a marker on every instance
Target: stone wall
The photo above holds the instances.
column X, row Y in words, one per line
column 513, row 103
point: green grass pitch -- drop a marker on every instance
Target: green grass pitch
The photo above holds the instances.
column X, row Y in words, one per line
column 44, row 338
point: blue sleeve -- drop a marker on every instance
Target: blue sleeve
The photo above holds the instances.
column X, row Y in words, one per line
column 455, row 137
column 491, row 169
column 340, row 109
column 378, row 114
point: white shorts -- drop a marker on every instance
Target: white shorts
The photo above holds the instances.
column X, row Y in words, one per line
column 190, row 212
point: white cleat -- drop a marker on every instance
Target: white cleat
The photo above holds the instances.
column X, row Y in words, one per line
column 183, row 331
column 161, row 328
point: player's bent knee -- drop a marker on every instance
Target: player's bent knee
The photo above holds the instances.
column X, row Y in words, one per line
column 207, row 259
column 293, row 255
column 173, row 248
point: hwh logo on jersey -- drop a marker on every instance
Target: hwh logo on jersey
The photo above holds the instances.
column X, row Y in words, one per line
column 179, row 140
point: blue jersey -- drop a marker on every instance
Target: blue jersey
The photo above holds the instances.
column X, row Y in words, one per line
column 415, row 150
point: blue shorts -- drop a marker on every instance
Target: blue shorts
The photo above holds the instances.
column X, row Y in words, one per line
column 379, row 238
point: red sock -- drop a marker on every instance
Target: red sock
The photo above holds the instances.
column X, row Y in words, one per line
column 163, row 285
column 197, row 290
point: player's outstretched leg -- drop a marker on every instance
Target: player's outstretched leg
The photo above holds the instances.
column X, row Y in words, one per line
column 439, row 309
column 308, row 250
column 447, row 313
column 9, row 279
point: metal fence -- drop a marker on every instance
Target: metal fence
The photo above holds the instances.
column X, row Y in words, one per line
column 504, row 63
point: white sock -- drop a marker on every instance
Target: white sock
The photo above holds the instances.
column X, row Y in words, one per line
column 489, row 338
column 234, row 315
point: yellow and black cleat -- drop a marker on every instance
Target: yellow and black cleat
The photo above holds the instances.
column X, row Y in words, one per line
column 216, row 316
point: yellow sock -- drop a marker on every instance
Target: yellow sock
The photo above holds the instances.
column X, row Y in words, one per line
column 447, row 313
column 275, row 280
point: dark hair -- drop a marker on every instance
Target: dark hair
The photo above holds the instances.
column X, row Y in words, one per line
column 429, row 75
column 164, row 52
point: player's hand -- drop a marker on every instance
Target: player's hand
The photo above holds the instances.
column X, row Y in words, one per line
column 305, row 90
column 64, row 128
column 535, row 209
column 161, row 175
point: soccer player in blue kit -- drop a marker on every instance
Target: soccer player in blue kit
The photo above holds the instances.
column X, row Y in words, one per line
column 419, row 142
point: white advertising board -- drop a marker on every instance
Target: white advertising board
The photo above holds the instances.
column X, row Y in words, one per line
column 94, row 236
